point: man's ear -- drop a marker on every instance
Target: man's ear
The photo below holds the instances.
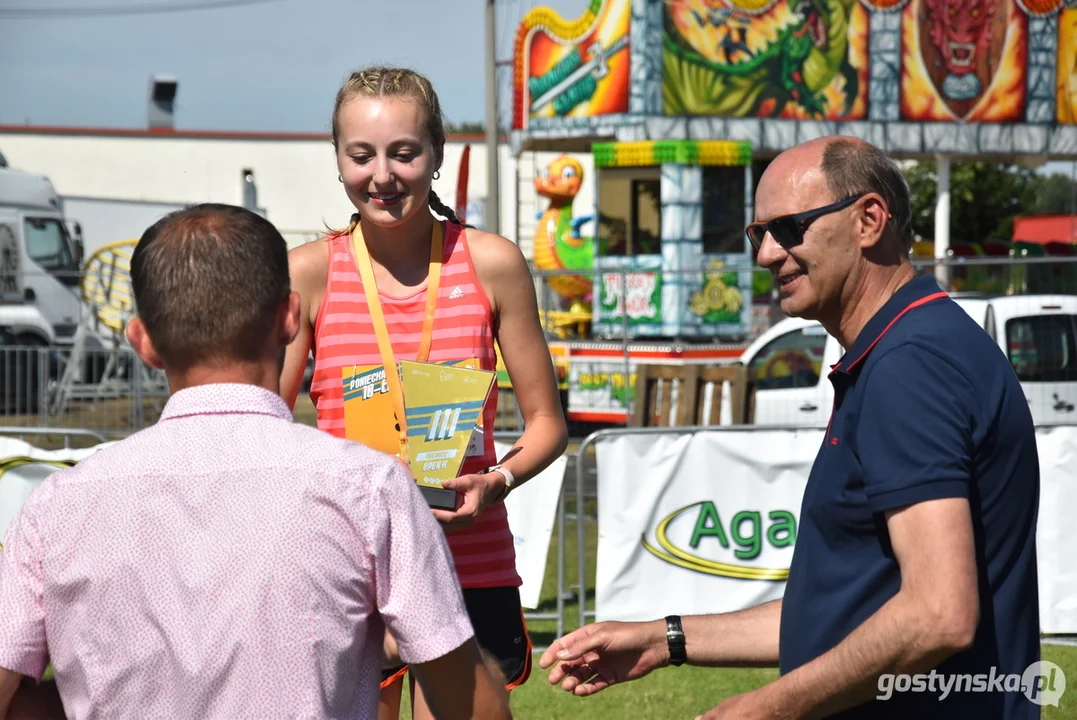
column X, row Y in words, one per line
column 288, row 319
column 143, row 345
column 872, row 220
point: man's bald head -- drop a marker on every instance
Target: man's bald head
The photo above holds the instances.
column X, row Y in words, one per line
column 854, row 167
column 852, row 228
column 209, row 281
column 849, row 167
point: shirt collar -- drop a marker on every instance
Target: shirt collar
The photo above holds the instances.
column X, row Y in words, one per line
column 913, row 294
column 225, row 399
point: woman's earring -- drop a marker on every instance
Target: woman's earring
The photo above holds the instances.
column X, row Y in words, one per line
column 437, row 174
column 340, row 179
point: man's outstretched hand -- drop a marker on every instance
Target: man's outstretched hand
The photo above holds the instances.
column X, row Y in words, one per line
column 597, row 656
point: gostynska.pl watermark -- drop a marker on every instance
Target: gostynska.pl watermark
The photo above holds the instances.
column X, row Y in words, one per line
column 1042, row 682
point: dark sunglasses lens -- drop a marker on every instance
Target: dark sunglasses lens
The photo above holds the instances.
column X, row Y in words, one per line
column 786, row 231
column 756, row 234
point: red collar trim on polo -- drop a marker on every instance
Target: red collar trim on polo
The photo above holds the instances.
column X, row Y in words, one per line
column 922, row 301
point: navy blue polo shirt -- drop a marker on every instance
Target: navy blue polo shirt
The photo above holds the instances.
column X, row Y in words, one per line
column 926, row 407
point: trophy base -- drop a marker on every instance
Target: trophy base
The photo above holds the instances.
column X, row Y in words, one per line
column 439, row 498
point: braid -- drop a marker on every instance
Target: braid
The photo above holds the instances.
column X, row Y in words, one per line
column 368, row 82
column 444, row 210
column 356, row 217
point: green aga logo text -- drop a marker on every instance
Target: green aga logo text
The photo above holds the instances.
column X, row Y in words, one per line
column 696, row 537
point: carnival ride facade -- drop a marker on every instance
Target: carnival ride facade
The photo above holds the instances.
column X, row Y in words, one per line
column 680, row 103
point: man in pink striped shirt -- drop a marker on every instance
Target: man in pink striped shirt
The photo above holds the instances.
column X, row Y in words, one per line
column 228, row 562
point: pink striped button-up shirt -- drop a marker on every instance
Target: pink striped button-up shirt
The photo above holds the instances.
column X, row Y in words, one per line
column 224, row 563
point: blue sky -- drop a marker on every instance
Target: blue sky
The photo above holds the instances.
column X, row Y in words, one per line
column 273, row 66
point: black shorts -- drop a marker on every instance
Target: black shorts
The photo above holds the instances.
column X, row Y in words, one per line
column 498, row 619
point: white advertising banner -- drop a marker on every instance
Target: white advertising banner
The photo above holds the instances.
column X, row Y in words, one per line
column 705, row 523
column 532, row 510
column 695, row 524
column 1056, row 549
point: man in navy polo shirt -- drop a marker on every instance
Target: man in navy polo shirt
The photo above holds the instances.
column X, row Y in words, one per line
column 916, row 551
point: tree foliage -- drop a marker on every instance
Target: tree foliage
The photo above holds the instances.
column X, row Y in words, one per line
column 465, row 128
column 985, row 198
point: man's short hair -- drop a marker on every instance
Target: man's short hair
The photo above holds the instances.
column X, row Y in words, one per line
column 853, row 167
column 208, row 283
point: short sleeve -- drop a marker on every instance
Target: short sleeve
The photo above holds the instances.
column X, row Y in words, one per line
column 22, row 614
column 418, row 593
column 914, row 433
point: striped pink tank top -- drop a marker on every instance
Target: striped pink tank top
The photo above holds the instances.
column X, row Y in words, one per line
column 463, row 328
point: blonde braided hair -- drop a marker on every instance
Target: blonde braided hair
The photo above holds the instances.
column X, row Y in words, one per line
column 385, row 82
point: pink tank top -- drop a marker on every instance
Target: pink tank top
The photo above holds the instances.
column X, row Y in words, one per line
column 463, row 328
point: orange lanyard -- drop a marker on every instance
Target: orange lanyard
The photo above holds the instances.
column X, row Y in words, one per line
column 381, row 330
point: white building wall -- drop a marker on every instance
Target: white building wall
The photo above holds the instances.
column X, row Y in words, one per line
column 296, row 175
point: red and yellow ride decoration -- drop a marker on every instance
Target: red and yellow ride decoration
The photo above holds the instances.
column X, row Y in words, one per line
column 1066, row 68
column 572, row 68
column 964, row 60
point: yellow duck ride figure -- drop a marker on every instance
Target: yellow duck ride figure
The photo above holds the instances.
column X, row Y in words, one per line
column 558, row 245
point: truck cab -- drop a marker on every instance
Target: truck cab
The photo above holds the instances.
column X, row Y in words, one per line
column 39, row 261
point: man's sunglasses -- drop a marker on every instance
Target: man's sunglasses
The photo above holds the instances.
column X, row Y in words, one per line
column 788, row 230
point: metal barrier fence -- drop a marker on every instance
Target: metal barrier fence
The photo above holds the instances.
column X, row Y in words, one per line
column 581, row 471
column 629, row 304
column 111, row 391
column 588, row 444
column 68, row 434
column 1028, row 305
column 626, row 300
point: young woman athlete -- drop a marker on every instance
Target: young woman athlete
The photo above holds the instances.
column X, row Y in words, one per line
column 400, row 284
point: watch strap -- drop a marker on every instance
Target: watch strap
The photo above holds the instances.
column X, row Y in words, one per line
column 510, row 479
column 675, row 640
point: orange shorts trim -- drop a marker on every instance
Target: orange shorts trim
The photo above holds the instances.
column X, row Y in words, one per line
column 527, row 660
column 396, row 676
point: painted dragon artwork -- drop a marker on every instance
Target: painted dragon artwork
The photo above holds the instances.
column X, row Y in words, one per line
column 960, row 31
column 746, row 58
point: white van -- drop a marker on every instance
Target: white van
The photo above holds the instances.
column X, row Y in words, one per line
column 1038, row 333
column 788, row 364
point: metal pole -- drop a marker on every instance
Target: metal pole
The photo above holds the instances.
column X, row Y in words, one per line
column 749, row 210
column 629, row 406
column 1073, row 200
column 67, row 433
column 749, row 216
column 942, row 221
column 561, row 554
column 581, row 530
column 493, row 173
